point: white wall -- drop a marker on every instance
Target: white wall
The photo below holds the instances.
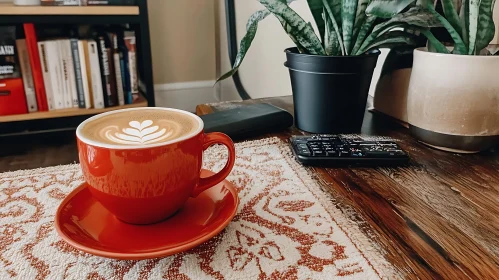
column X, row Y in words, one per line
column 262, row 72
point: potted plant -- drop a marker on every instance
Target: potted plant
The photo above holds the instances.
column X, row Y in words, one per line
column 331, row 71
column 453, row 93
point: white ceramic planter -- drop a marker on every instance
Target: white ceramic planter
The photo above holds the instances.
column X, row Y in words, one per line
column 453, row 100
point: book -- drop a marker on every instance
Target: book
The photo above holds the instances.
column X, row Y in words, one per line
column 94, row 74
column 111, row 2
column 9, row 67
column 27, row 76
column 36, row 68
column 107, row 72
column 71, row 73
column 117, row 57
column 64, row 75
column 44, row 59
column 130, row 43
column 55, row 88
column 61, row 2
column 84, row 76
column 77, row 66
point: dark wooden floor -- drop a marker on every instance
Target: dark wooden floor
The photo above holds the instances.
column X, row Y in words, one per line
column 40, row 150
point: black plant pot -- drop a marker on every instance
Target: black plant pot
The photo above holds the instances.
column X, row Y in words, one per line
column 330, row 92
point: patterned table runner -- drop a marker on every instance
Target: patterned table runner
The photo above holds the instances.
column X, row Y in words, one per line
column 286, row 228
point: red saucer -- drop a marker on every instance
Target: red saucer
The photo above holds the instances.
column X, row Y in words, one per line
column 86, row 225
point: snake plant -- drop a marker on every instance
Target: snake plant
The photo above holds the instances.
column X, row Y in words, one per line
column 469, row 23
column 344, row 28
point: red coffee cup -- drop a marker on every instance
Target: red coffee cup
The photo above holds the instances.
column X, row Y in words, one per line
column 145, row 184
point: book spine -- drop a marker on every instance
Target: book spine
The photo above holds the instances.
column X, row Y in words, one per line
column 78, row 73
column 27, row 76
column 84, row 77
column 64, row 74
column 36, row 69
column 55, row 74
column 108, row 82
column 95, row 75
column 117, row 70
column 71, row 75
column 43, row 54
column 130, row 43
column 61, row 3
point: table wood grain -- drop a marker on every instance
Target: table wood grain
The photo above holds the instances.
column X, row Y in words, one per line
column 436, row 218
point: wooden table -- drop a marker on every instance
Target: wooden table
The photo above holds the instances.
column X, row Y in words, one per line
column 437, row 218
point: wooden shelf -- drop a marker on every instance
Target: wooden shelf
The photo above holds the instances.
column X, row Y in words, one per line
column 11, row 9
column 68, row 112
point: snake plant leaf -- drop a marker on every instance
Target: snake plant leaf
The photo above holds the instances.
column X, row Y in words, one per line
column 450, row 12
column 439, row 47
column 287, row 28
column 486, row 28
column 251, row 28
column 387, row 8
column 391, row 39
column 348, row 12
column 317, row 8
column 415, row 16
column 463, row 19
column 335, row 25
column 331, row 43
column 365, row 29
column 299, row 29
column 360, row 17
column 459, row 46
column 474, row 7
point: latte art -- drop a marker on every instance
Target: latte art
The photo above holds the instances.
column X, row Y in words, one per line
column 140, row 127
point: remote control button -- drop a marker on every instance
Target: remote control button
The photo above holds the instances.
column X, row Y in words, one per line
column 302, row 146
column 319, row 153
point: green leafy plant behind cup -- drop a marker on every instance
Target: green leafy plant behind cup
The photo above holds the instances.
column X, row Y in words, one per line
column 469, row 23
column 344, row 27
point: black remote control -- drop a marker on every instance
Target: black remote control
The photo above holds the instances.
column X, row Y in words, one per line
column 341, row 150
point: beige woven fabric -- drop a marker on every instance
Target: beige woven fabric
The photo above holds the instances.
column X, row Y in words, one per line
column 286, row 228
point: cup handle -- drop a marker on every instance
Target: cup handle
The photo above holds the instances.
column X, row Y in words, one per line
column 209, row 140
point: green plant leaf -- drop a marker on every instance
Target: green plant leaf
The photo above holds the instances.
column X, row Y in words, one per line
column 486, row 27
column 348, row 11
column 387, row 8
column 391, row 39
column 244, row 45
column 365, row 29
column 474, row 6
column 288, row 29
column 335, row 25
column 463, row 19
column 459, row 46
column 331, row 43
column 415, row 16
column 360, row 18
column 450, row 12
column 299, row 29
column 439, row 47
column 316, row 8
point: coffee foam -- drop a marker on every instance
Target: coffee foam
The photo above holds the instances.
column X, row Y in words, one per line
column 139, row 127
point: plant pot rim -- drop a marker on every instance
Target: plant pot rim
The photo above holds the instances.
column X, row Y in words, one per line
column 424, row 51
column 294, row 51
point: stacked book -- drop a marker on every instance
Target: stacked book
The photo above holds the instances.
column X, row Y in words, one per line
column 96, row 72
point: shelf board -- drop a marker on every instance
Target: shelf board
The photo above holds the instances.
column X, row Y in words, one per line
column 68, row 112
column 11, row 9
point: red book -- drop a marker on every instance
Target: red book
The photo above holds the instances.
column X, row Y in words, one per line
column 12, row 97
column 36, row 68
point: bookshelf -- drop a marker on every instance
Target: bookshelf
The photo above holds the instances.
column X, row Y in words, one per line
column 67, row 119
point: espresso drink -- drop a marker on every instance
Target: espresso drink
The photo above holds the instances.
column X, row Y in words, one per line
column 139, row 127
